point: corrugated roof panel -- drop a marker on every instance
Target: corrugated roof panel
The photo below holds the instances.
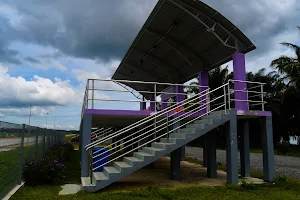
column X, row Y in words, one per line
column 188, row 46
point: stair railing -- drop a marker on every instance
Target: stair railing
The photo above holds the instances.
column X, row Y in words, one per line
column 167, row 113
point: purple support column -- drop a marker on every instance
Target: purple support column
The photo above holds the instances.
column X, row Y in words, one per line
column 203, row 83
column 152, row 104
column 164, row 103
column 142, row 105
column 239, row 73
column 179, row 97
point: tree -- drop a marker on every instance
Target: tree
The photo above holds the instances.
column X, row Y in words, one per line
column 289, row 67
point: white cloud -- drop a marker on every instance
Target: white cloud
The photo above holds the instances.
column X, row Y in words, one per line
column 39, row 91
column 60, row 66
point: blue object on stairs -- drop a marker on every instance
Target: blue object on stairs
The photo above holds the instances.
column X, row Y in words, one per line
column 103, row 158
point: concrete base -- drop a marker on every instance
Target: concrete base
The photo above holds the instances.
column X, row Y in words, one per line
column 191, row 175
column 70, row 189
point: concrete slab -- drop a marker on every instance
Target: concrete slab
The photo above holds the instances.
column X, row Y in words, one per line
column 70, row 189
column 159, row 175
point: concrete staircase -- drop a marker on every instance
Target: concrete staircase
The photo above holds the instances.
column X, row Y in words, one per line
column 147, row 155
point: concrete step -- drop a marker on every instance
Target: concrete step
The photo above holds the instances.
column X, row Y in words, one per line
column 121, row 166
column 170, row 140
column 160, row 145
column 151, row 150
column 132, row 160
column 100, row 176
column 204, row 121
column 177, row 135
column 111, row 171
column 86, row 182
column 187, row 130
column 141, row 155
column 213, row 116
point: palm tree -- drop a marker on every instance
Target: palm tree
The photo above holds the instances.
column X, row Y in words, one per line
column 289, row 67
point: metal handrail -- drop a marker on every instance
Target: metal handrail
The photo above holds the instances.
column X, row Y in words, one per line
column 142, row 121
column 174, row 113
column 189, row 113
column 185, row 116
column 149, row 118
column 87, row 98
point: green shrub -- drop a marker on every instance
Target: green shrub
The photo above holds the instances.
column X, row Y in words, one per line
column 50, row 169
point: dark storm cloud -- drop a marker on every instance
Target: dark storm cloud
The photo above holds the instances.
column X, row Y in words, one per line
column 104, row 29
column 87, row 29
column 7, row 55
column 260, row 20
column 32, row 60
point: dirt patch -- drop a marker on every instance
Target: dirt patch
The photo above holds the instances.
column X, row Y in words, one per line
column 158, row 175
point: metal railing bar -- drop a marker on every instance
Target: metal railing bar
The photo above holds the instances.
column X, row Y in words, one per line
column 146, row 82
column 147, row 119
column 173, row 119
column 144, row 132
column 153, row 139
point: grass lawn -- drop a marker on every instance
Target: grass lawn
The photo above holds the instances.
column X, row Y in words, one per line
column 284, row 188
column 10, row 167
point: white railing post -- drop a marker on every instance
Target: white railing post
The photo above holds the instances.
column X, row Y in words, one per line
column 87, row 93
column 262, row 97
column 155, row 110
column 229, row 95
column 93, row 90
column 224, row 90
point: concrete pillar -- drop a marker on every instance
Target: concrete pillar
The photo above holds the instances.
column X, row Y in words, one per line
column 179, row 90
column 245, row 149
column 203, row 83
column 175, row 164
column 85, row 139
column 232, row 150
column 211, row 155
column 268, row 149
column 204, row 150
column 239, row 74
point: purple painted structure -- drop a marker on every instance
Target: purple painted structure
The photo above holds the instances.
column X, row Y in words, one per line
column 152, row 104
column 239, row 73
column 203, row 83
column 147, row 113
column 180, row 93
column 179, row 96
column 142, row 105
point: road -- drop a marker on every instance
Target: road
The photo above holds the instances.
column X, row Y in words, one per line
column 284, row 165
column 7, row 142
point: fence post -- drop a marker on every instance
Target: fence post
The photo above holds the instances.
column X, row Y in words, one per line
column 22, row 153
column 36, row 144
column 43, row 142
column 48, row 139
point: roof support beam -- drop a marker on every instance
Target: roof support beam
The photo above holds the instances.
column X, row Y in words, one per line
column 142, row 72
column 209, row 29
column 154, row 60
column 174, row 47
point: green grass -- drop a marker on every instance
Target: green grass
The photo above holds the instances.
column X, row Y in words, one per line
column 10, row 167
column 283, row 188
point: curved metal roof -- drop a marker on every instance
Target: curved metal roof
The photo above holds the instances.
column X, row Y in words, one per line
column 179, row 39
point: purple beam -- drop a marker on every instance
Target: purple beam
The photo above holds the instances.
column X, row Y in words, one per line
column 203, row 83
column 239, row 73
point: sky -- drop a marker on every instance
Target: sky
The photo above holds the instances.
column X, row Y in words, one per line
column 48, row 49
